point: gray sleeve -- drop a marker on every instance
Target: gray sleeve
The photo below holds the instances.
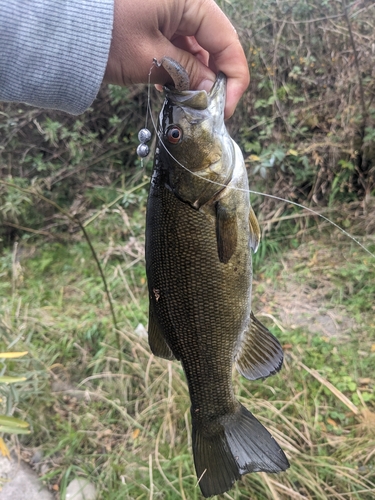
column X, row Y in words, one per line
column 53, row 53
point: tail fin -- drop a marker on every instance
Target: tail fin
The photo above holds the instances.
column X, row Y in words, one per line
column 239, row 444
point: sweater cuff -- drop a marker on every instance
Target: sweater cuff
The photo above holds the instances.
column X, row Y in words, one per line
column 54, row 53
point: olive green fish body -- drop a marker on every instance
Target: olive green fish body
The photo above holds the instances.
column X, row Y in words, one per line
column 200, row 230
column 199, row 302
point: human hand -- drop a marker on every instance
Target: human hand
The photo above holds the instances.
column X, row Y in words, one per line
column 196, row 33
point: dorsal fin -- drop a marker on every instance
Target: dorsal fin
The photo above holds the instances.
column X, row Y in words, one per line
column 261, row 354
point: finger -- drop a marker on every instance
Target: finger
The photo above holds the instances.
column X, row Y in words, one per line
column 200, row 75
column 214, row 32
column 190, row 44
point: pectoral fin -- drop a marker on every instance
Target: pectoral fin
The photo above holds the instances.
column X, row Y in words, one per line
column 261, row 354
column 158, row 344
column 254, row 231
column 226, row 231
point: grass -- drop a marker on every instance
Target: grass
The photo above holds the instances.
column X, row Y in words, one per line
column 125, row 424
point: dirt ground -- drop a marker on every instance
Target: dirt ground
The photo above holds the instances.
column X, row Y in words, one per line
column 305, row 300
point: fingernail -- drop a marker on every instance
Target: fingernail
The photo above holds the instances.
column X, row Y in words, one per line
column 205, row 85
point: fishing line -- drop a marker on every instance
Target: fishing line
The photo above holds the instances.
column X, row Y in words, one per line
column 149, row 113
column 148, row 110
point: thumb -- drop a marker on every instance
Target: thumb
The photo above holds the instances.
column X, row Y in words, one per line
column 200, row 76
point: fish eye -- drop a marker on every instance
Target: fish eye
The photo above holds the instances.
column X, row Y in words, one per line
column 174, row 134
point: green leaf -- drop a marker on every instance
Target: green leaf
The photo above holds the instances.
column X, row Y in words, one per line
column 263, row 172
column 260, row 103
column 271, row 100
column 11, row 380
column 279, row 154
column 12, row 422
column 13, row 430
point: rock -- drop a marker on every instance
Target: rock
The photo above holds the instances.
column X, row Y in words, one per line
column 141, row 331
column 20, row 482
column 80, row 489
column 37, row 457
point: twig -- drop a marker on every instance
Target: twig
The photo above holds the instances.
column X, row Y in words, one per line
column 361, row 90
column 34, row 231
column 93, row 217
column 94, row 254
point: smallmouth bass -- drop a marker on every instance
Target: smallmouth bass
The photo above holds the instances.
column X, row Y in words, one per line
column 200, row 231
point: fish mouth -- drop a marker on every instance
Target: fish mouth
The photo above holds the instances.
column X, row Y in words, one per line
column 217, row 97
column 213, row 101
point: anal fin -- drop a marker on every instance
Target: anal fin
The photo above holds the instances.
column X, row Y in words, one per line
column 261, row 354
column 156, row 340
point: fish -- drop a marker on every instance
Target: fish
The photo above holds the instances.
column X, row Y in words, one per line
column 200, row 233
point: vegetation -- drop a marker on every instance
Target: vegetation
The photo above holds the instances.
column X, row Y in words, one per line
column 307, row 123
column 125, row 425
column 10, row 425
column 98, row 404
